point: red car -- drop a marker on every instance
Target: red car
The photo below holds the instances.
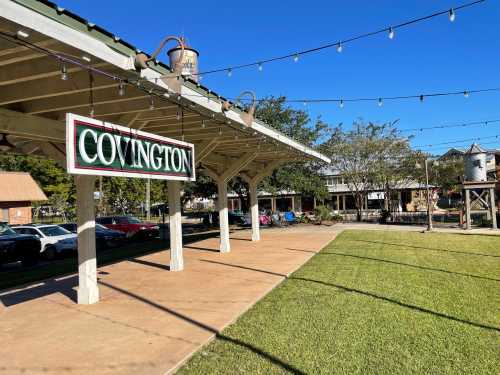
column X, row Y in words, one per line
column 130, row 225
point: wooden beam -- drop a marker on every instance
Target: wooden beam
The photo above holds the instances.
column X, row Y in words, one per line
column 31, row 127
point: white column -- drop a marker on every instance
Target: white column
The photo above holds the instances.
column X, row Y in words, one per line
column 493, row 208
column 225, row 246
column 254, row 208
column 175, row 223
column 293, row 203
column 343, row 203
column 88, row 292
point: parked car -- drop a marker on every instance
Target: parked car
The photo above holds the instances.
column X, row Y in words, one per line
column 54, row 239
column 234, row 218
column 18, row 247
column 130, row 225
column 104, row 237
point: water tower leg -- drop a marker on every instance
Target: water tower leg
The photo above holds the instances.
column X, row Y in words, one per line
column 467, row 209
column 493, row 209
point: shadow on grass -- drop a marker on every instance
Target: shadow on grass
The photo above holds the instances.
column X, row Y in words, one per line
column 269, row 357
column 369, row 294
column 399, row 303
column 430, row 248
column 409, row 265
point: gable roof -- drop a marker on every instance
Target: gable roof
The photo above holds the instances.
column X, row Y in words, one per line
column 19, row 187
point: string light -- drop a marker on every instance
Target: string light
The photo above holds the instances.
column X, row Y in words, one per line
column 341, row 104
column 391, row 33
column 203, row 125
column 178, row 114
column 151, row 102
column 339, row 45
column 466, row 94
column 451, row 15
column 296, row 57
column 121, row 89
column 260, row 67
column 380, row 102
column 64, row 72
column 421, row 98
column 229, row 72
column 220, row 132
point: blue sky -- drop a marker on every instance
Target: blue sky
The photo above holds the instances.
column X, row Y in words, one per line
column 434, row 55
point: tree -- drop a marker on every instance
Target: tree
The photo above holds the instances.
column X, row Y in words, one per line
column 395, row 161
column 299, row 176
column 370, row 157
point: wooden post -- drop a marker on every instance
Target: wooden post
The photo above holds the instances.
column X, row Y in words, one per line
column 468, row 225
column 493, row 209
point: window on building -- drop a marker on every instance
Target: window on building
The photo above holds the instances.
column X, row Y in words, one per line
column 5, row 215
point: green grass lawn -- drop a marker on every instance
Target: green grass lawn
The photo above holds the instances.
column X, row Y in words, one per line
column 373, row 302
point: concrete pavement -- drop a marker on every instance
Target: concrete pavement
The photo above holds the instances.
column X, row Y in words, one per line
column 149, row 320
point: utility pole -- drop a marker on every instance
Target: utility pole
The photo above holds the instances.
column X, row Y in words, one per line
column 429, row 214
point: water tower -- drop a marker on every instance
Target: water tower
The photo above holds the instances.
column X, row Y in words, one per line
column 479, row 191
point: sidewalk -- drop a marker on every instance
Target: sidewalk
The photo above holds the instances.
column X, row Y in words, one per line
column 149, row 320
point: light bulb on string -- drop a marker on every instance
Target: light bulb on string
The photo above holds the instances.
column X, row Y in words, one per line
column 421, row 98
column 178, row 114
column 451, row 15
column 466, row 94
column 151, row 102
column 220, row 131
column 380, row 102
column 341, row 104
column 260, row 67
column 64, row 72
column 391, row 33
column 229, row 72
column 339, row 47
column 92, row 111
column 121, row 89
column 203, row 124
column 296, row 57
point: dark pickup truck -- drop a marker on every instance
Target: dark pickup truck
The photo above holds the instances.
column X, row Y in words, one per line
column 18, row 247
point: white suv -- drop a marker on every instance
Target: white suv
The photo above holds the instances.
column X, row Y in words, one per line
column 54, row 239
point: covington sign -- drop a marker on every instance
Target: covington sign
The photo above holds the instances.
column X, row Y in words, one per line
column 102, row 149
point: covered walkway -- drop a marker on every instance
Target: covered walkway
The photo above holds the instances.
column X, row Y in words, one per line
column 148, row 321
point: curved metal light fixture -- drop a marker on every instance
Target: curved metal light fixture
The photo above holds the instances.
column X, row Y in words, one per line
column 172, row 80
column 5, row 145
column 247, row 116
